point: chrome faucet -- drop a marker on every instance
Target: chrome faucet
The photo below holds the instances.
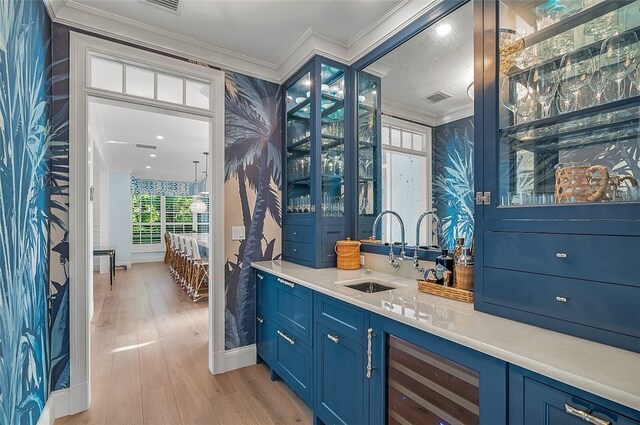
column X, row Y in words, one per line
column 434, row 231
column 392, row 257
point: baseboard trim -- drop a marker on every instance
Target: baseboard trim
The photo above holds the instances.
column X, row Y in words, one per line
column 240, row 357
column 47, row 416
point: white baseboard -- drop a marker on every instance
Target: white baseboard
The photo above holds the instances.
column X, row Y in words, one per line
column 47, row 417
column 240, row 357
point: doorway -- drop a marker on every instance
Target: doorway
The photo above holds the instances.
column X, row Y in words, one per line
column 106, row 76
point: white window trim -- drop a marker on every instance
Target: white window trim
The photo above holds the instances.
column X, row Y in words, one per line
column 427, row 135
column 78, row 396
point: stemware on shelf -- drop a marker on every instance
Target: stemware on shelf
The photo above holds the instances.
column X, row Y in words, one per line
column 576, row 70
column 543, row 84
column 514, row 95
column 619, row 57
column 604, row 26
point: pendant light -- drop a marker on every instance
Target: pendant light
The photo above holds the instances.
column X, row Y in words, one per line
column 197, row 206
column 205, row 192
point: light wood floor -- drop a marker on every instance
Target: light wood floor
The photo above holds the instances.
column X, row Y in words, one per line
column 149, row 362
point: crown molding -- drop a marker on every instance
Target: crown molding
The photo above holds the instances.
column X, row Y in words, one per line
column 408, row 112
column 312, row 42
column 455, row 114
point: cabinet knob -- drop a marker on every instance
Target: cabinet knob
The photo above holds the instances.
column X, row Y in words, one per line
column 561, row 255
column 295, row 233
column 259, row 276
column 260, row 320
column 562, row 299
column 295, row 249
column 333, row 338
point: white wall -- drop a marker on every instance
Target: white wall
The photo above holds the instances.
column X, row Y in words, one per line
column 120, row 215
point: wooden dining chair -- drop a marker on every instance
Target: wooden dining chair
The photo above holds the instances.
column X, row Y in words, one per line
column 200, row 276
column 167, row 247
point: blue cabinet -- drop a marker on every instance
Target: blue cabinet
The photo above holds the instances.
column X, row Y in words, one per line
column 559, row 236
column 537, row 400
column 293, row 363
column 342, row 385
column 317, row 171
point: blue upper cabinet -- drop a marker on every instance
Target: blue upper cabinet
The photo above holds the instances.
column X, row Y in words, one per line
column 557, row 205
column 317, row 155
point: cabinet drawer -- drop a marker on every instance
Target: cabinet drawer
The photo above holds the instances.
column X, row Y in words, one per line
column 603, row 258
column 348, row 320
column 600, row 305
column 265, row 288
column 298, row 250
column 546, row 405
column 293, row 308
column 293, row 363
column 297, row 233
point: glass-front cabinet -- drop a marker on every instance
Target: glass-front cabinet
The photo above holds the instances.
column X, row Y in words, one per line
column 557, row 215
column 568, row 104
column 316, row 162
column 369, row 201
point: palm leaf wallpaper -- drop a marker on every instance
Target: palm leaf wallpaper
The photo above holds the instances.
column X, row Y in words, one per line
column 25, row 136
column 453, row 180
column 253, row 169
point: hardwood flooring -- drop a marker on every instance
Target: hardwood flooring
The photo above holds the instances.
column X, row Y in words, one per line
column 149, row 362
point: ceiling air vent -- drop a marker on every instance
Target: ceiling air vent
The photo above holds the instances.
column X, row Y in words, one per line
column 172, row 5
column 436, row 97
column 141, row 146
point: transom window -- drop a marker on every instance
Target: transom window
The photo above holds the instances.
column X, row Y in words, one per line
column 133, row 79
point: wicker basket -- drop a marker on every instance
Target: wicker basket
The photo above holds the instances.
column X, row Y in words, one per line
column 445, row 291
column 463, row 277
column 348, row 254
column 573, row 183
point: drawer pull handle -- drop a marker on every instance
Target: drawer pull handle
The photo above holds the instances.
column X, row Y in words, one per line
column 584, row 415
column 285, row 282
column 369, row 352
column 333, row 338
column 260, row 320
column 286, row 338
column 561, row 255
column 562, row 299
column 259, row 276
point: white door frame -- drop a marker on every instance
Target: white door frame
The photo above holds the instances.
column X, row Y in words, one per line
column 80, row 251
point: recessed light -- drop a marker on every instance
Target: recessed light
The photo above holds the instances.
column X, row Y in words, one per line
column 148, row 166
column 115, row 142
column 153, row 155
column 160, row 137
column 443, row 29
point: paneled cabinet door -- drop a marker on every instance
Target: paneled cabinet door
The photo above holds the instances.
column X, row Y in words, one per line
column 342, row 388
column 265, row 336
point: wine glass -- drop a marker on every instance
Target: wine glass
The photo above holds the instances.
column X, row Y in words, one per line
column 576, row 70
column 514, row 95
column 543, row 84
column 619, row 56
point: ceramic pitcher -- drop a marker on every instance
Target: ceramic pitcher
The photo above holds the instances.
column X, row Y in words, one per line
column 574, row 183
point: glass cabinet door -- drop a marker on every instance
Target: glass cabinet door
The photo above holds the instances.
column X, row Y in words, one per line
column 332, row 131
column 568, row 103
column 369, row 155
column 299, row 147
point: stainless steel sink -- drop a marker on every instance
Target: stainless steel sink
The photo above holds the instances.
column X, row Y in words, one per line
column 368, row 285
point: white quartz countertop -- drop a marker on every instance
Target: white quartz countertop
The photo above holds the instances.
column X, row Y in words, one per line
column 606, row 371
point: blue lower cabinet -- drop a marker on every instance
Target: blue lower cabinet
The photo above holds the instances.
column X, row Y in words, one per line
column 342, row 388
column 293, row 307
column 537, row 400
column 293, row 363
column 265, row 291
column 265, row 338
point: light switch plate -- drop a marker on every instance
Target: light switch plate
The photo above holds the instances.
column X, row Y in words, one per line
column 237, row 233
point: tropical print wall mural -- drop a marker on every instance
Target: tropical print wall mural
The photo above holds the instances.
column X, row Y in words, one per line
column 252, row 169
column 59, row 225
column 453, row 180
column 25, row 134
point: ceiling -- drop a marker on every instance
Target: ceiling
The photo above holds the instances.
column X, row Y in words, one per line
column 427, row 63
column 185, row 138
column 265, row 30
